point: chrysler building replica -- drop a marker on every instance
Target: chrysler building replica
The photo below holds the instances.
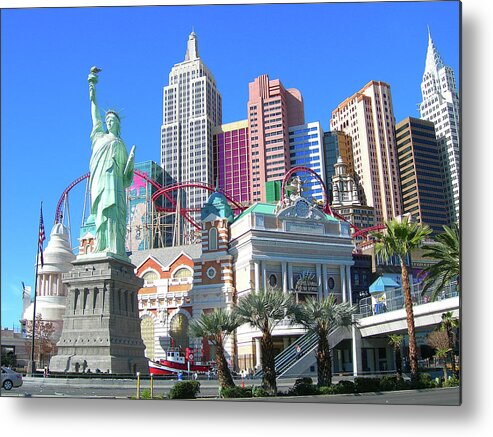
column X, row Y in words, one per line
column 192, row 107
column 441, row 106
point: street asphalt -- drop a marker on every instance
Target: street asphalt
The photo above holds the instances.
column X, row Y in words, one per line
column 95, row 388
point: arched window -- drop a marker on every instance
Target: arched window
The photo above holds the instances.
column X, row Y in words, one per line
column 213, row 239
column 182, row 273
column 147, row 331
column 150, row 277
column 179, row 330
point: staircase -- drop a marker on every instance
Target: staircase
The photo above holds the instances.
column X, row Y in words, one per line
column 288, row 356
column 289, row 365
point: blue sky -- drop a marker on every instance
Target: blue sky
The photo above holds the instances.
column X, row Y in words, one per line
column 327, row 51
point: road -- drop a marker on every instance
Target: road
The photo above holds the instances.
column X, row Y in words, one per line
column 126, row 388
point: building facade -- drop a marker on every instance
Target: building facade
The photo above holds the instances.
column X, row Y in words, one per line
column 346, row 201
column 423, row 193
column 142, row 232
column 337, row 143
column 440, row 105
column 272, row 109
column 232, row 160
column 368, row 117
column 306, row 149
column 192, row 107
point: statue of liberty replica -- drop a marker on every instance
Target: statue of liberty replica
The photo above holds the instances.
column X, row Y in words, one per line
column 111, row 171
column 101, row 326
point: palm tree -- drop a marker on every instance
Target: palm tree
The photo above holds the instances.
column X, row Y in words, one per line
column 264, row 310
column 449, row 324
column 446, row 252
column 395, row 341
column 216, row 326
column 442, row 353
column 320, row 317
column 400, row 238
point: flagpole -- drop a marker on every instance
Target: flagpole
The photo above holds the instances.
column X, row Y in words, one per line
column 33, row 364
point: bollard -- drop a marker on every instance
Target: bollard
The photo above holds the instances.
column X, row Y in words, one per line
column 152, row 387
column 138, row 385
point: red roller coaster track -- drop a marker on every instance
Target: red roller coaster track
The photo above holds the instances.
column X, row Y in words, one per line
column 165, row 191
column 160, row 191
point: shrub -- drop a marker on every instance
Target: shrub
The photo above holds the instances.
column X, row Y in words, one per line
column 389, row 383
column 260, row 392
column 453, row 381
column 364, row 385
column 184, row 390
column 327, row 390
column 344, row 387
column 303, row 387
column 236, row 392
column 424, row 381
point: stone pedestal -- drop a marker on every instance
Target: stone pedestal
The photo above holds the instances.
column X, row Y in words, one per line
column 101, row 326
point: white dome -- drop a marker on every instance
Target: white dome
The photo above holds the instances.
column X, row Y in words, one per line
column 51, row 308
column 58, row 255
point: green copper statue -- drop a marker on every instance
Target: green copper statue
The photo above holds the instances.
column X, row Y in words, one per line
column 111, row 172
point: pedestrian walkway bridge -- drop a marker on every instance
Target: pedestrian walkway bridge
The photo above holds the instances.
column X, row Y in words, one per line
column 371, row 320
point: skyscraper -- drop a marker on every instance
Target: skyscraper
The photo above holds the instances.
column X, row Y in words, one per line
column 421, row 178
column 232, row 160
column 272, row 109
column 306, row 149
column 192, row 107
column 337, row 144
column 441, row 106
column 368, row 117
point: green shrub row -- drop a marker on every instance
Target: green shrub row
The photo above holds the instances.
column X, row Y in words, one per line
column 305, row 386
column 184, row 390
column 243, row 392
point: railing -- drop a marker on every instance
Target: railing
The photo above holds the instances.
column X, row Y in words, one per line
column 394, row 299
column 289, row 355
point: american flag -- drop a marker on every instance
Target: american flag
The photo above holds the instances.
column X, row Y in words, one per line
column 42, row 236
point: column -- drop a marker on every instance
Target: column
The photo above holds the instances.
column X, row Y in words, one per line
column 49, row 285
column 290, row 276
column 258, row 354
column 348, row 281
column 325, row 279
column 257, row 275
column 342, row 274
column 284, row 269
column 319, row 280
column 264, row 275
column 285, row 342
column 356, row 346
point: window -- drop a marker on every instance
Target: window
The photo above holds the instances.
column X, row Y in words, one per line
column 150, row 277
column 182, row 273
column 213, row 239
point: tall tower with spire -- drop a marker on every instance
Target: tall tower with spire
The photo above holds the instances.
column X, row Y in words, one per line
column 192, row 107
column 440, row 105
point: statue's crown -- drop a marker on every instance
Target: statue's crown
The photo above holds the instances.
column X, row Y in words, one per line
column 112, row 111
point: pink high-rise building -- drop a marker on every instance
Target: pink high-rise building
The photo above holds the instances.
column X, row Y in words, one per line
column 272, row 109
column 232, row 160
column 368, row 118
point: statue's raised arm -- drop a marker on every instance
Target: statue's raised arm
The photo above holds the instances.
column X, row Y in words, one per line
column 93, row 80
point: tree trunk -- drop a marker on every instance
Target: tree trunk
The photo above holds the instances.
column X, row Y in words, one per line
column 445, row 374
column 324, row 362
column 268, row 363
column 223, row 373
column 450, row 337
column 413, row 358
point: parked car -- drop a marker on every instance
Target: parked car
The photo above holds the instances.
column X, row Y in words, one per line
column 10, row 378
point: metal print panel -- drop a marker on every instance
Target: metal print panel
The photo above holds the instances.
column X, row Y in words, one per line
column 222, row 202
